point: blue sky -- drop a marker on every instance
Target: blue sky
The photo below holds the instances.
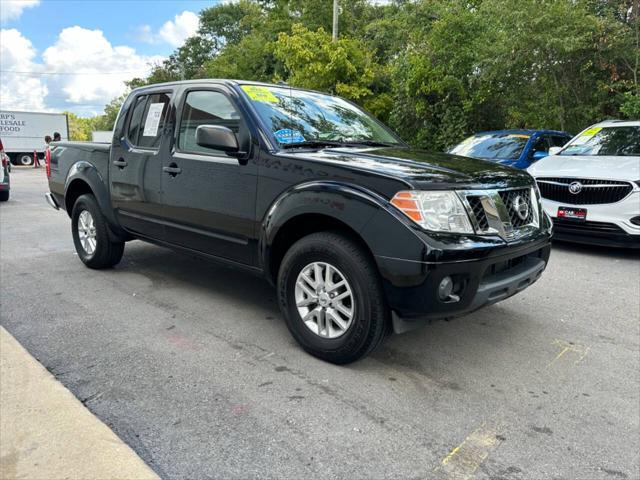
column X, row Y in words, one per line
column 120, row 20
column 76, row 54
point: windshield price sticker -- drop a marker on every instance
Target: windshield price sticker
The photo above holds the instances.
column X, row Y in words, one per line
column 153, row 120
column 286, row 135
column 259, row 94
column 590, row 132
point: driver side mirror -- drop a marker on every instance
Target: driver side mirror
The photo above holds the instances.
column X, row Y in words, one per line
column 217, row 137
column 554, row 150
column 539, row 154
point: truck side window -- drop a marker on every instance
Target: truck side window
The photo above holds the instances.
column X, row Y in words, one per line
column 133, row 131
column 153, row 120
column 205, row 108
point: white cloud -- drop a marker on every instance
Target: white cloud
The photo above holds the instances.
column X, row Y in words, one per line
column 100, row 68
column 12, row 9
column 174, row 32
column 19, row 91
column 81, row 71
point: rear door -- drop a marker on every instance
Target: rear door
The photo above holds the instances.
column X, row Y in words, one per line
column 208, row 196
column 136, row 165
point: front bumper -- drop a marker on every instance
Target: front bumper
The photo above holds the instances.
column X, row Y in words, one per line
column 479, row 282
column 606, row 224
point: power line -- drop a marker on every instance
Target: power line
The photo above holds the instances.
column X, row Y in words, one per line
column 16, row 72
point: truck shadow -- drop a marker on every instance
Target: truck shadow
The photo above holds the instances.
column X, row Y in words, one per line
column 428, row 352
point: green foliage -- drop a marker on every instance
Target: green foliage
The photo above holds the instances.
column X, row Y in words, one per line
column 436, row 70
column 311, row 60
column 79, row 128
column 631, row 105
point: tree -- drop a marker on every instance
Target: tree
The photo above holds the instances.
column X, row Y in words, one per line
column 79, row 128
column 436, row 70
column 311, row 60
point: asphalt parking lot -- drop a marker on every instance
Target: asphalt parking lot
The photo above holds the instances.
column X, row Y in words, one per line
column 191, row 365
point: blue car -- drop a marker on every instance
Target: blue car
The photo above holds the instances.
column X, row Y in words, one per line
column 515, row 148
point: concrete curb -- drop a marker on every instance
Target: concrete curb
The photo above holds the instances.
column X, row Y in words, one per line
column 46, row 433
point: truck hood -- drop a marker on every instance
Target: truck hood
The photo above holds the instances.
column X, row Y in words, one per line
column 587, row 166
column 420, row 168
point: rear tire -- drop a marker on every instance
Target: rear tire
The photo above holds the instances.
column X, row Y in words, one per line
column 313, row 323
column 4, row 196
column 91, row 235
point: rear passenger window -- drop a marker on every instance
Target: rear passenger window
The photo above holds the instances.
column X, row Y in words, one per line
column 147, row 120
column 153, row 120
column 205, row 108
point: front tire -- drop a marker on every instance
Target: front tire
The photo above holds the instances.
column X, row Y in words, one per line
column 331, row 296
column 91, row 235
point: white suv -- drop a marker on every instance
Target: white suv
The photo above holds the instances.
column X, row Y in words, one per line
column 591, row 186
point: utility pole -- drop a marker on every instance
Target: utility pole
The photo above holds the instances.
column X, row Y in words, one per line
column 335, row 21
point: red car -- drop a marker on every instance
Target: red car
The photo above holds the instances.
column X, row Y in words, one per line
column 4, row 175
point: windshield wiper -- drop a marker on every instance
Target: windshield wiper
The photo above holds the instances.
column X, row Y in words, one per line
column 313, row 144
column 335, row 143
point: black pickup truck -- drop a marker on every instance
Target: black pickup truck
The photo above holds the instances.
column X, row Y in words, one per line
column 360, row 233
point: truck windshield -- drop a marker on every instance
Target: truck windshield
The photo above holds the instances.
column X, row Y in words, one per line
column 614, row 141
column 298, row 117
column 492, row 146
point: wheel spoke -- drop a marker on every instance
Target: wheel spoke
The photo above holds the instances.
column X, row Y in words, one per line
column 344, row 310
column 317, row 273
column 328, row 274
column 335, row 286
column 306, row 290
column 322, row 323
column 311, row 315
column 336, row 319
column 307, row 301
column 339, row 297
column 308, row 279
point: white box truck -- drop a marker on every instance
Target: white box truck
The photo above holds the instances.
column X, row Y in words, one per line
column 22, row 133
column 102, row 136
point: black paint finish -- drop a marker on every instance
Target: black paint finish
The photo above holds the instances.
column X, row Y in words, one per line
column 233, row 208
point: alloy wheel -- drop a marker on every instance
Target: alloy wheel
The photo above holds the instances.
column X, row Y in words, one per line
column 324, row 300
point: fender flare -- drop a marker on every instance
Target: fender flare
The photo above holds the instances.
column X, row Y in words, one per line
column 86, row 172
column 350, row 204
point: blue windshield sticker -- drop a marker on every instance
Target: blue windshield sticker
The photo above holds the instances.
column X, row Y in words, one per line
column 286, row 135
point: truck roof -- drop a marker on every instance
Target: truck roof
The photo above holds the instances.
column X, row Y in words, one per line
column 220, row 81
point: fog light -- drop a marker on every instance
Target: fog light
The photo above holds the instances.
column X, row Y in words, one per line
column 445, row 288
column 636, row 220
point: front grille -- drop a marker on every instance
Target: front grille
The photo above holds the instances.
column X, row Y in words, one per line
column 477, row 210
column 586, row 228
column 593, row 191
column 509, row 198
column 509, row 213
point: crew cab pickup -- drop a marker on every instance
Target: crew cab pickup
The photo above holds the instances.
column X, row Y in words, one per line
column 360, row 233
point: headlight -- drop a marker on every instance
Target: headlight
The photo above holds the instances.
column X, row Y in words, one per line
column 438, row 211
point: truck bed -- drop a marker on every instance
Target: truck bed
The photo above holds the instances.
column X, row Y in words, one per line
column 66, row 154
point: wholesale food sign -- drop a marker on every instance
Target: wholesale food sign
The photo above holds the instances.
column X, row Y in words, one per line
column 10, row 125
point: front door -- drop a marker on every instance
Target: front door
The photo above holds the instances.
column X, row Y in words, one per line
column 208, row 196
column 136, row 165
